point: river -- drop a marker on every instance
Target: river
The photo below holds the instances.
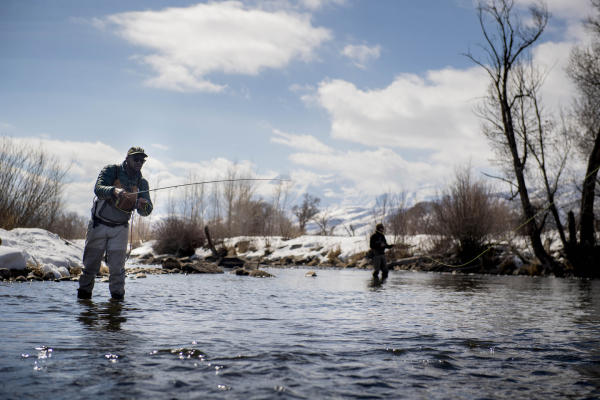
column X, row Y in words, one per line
column 337, row 335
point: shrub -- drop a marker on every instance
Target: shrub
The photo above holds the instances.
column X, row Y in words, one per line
column 468, row 215
column 334, row 254
column 69, row 226
column 30, row 186
column 177, row 236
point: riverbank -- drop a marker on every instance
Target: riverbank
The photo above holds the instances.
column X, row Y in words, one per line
column 35, row 254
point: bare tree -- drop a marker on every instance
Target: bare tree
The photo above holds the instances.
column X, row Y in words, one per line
column 508, row 41
column 398, row 219
column 279, row 222
column 323, row 221
column 547, row 140
column 306, row 210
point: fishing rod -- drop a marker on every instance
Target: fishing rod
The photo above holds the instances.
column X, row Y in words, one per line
column 214, row 181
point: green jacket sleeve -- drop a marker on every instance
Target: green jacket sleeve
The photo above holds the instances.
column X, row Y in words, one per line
column 147, row 209
column 105, row 183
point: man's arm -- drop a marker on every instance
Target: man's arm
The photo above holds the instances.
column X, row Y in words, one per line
column 105, row 188
column 144, row 203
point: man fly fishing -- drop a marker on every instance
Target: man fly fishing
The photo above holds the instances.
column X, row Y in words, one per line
column 120, row 189
column 378, row 244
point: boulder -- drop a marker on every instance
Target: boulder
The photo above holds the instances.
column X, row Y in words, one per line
column 241, row 271
column 5, row 273
column 64, row 272
column 259, row 273
column 231, row 262
column 256, row 273
column 33, row 277
column 201, row 268
column 11, row 258
column 171, row 263
column 50, row 272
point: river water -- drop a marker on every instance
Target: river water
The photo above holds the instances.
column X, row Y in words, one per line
column 339, row 335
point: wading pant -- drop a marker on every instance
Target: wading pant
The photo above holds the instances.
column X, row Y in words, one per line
column 113, row 241
column 379, row 264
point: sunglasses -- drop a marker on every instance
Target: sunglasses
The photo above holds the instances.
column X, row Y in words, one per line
column 139, row 159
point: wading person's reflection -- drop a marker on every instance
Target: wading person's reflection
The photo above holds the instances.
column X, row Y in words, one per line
column 107, row 316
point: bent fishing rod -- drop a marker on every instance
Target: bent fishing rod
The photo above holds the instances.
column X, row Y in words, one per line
column 214, row 181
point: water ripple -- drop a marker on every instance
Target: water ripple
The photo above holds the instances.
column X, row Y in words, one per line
column 432, row 336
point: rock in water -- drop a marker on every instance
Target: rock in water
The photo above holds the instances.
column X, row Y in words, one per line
column 311, row 274
column 258, row 273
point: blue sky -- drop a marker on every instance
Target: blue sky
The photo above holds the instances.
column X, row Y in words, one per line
column 348, row 98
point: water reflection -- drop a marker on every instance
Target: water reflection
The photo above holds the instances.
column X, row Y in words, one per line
column 375, row 284
column 589, row 299
column 105, row 316
column 456, row 283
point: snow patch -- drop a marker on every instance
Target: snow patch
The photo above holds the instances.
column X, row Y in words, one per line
column 40, row 247
column 11, row 258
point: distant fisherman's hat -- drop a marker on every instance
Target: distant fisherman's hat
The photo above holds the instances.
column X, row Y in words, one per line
column 136, row 150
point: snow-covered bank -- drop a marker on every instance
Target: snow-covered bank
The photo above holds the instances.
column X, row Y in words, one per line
column 46, row 255
column 32, row 247
column 318, row 248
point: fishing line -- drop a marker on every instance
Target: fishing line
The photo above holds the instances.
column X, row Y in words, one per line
column 191, row 184
column 215, row 181
column 514, row 231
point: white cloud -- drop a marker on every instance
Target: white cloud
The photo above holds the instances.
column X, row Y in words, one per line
column 160, row 146
column 432, row 113
column 361, row 54
column 300, row 142
column 568, row 9
column 358, row 173
column 316, row 4
column 188, row 44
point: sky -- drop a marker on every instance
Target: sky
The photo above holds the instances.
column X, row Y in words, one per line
column 348, row 99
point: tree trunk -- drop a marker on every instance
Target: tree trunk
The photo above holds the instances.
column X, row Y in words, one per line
column 586, row 233
column 533, row 230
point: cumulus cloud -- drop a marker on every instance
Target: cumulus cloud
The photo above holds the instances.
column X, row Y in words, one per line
column 186, row 45
column 300, row 142
column 432, row 113
column 361, row 54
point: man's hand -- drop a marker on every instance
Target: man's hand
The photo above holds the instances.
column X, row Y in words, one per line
column 118, row 192
column 141, row 203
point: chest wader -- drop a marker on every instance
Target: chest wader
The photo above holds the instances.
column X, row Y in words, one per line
column 107, row 237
